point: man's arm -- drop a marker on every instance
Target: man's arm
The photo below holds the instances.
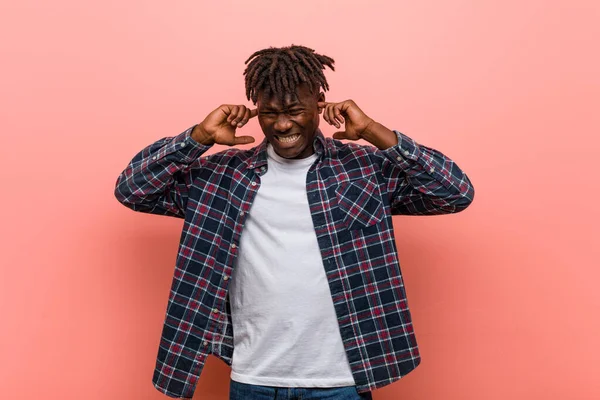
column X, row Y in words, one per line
column 158, row 178
column 419, row 180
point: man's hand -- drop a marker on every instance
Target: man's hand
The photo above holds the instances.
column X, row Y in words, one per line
column 219, row 126
column 358, row 124
column 347, row 112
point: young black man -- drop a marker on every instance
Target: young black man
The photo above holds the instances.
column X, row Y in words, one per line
column 287, row 268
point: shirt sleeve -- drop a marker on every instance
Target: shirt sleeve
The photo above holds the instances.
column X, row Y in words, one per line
column 423, row 181
column 158, row 178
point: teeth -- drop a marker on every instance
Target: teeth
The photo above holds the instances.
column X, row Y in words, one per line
column 288, row 139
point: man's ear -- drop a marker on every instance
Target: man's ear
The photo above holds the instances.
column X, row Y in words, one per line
column 320, row 98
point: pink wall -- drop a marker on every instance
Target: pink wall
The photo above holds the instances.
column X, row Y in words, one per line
column 504, row 296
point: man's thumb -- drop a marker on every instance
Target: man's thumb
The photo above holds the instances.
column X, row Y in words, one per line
column 244, row 139
column 340, row 135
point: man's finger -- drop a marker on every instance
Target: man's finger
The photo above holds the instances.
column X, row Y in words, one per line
column 245, row 118
column 239, row 116
column 331, row 114
column 321, row 104
column 340, row 135
column 338, row 115
column 232, row 113
column 253, row 113
column 324, row 111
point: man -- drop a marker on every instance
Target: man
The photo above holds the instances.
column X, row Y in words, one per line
column 287, row 267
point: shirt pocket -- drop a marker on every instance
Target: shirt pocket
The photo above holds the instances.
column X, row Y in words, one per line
column 360, row 203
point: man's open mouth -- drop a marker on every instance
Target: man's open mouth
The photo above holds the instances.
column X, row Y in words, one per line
column 288, row 138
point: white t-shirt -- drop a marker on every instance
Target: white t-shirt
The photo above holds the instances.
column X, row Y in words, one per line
column 285, row 329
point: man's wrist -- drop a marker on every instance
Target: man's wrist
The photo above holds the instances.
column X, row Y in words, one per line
column 379, row 136
column 201, row 136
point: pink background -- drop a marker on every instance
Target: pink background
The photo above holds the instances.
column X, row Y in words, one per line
column 504, row 296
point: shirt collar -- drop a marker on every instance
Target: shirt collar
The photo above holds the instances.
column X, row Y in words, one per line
column 259, row 156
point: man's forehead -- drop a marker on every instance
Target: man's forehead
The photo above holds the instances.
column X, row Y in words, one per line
column 301, row 95
column 274, row 100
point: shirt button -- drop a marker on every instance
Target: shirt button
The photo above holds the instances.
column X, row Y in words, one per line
column 406, row 152
column 253, row 183
column 182, row 144
column 242, row 213
column 225, row 278
column 233, row 246
column 215, row 310
column 399, row 158
column 205, row 343
column 251, row 165
column 431, row 169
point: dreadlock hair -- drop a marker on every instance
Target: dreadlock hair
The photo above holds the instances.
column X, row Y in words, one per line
column 279, row 70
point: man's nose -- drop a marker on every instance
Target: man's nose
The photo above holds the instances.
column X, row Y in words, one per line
column 282, row 123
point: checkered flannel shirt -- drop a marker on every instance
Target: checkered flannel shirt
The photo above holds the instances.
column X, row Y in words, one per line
column 353, row 191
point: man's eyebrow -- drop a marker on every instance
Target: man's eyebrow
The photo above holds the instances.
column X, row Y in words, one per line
column 292, row 105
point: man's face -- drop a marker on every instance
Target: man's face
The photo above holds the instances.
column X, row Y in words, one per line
column 290, row 126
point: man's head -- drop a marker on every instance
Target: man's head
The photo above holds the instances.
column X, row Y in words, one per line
column 285, row 84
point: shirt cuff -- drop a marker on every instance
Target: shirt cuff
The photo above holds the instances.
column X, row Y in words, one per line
column 185, row 146
column 405, row 153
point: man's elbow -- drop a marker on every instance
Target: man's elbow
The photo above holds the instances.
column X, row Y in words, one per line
column 124, row 196
column 464, row 200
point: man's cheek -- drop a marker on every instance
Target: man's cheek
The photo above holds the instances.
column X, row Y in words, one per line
column 262, row 124
column 317, row 120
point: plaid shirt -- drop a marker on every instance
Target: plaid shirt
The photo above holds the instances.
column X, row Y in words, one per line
column 352, row 190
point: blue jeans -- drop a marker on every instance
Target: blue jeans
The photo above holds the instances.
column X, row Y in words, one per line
column 244, row 391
